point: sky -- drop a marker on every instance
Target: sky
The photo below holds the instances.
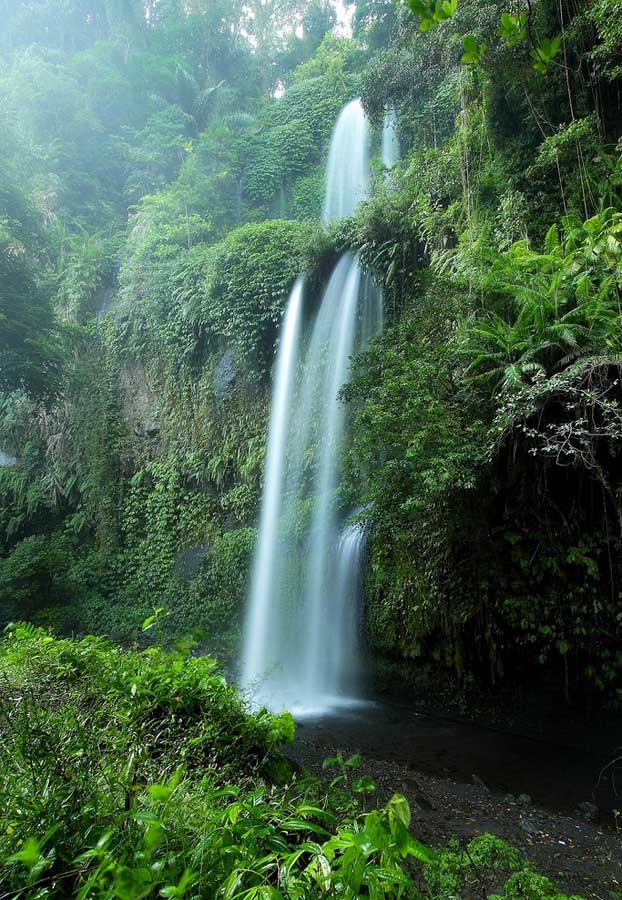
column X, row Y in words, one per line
column 345, row 14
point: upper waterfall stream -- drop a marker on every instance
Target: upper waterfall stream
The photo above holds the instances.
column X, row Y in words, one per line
column 390, row 142
column 301, row 641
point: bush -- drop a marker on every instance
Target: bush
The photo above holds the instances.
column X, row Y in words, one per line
column 130, row 775
column 213, row 600
column 35, row 574
column 237, row 289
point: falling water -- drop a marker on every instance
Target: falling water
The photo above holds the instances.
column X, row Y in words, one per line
column 259, row 635
column 105, row 304
column 390, row 143
column 7, row 459
column 347, row 172
column 301, row 641
column 343, row 657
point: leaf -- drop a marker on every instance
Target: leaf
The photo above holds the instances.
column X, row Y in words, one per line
column 552, row 240
column 231, row 885
column 512, row 28
column 418, row 8
column 399, row 808
column 294, row 824
column 179, row 889
column 132, row 884
column 544, row 53
column 473, row 51
column 305, row 810
column 363, row 785
column 283, row 728
column 420, row 851
column 375, row 832
column 29, row 855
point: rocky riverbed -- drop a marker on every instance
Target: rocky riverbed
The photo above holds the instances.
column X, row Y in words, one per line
column 462, row 779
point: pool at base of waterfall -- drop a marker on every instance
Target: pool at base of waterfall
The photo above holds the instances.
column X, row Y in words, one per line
column 307, row 709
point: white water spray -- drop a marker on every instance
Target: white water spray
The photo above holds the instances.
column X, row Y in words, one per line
column 301, row 645
column 347, row 171
column 390, row 143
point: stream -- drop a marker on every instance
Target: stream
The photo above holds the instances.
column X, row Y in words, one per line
column 557, row 776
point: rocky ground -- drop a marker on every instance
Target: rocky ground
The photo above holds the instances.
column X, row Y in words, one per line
column 580, row 850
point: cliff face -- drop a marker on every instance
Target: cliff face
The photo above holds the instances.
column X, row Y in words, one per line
column 485, row 423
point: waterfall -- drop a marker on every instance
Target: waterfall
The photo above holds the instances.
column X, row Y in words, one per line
column 261, row 632
column 7, row 459
column 390, row 143
column 343, row 645
column 301, row 643
column 105, row 304
column 347, row 171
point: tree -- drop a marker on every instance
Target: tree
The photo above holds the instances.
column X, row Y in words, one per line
column 29, row 345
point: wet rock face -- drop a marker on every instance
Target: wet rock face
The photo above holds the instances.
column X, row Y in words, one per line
column 188, row 562
column 7, row 459
column 140, row 405
column 225, row 373
column 150, row 430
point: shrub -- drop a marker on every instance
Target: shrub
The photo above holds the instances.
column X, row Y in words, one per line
column 35, row 574
column 238, row 288
column 213, row 600
column 129, row 775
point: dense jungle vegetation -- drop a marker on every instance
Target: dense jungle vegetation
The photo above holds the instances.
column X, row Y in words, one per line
column 162, row 177
column 129, row 775
column 161, row 182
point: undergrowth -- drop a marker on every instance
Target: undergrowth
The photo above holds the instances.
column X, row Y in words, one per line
column 130, row 774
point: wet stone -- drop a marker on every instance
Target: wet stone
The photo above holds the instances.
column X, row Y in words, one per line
column 422, row 801
column 225, row 373
column 528, row 826
column 480, row 783
column 587, row 811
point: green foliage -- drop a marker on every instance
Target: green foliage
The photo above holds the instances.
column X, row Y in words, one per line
column 544, row 53
column 431, row 12
column 238, row 288
column 419, row 437
column 156, row 152
column 473, row 52
column 554, row 307
column 29, row 338
column 120, row 741
column 478, row 868
column 214, row 599
column 517, row 335
column 606, row 51
column 513, row 29
column 35, row 574
column 133, row 775
column 491, row 402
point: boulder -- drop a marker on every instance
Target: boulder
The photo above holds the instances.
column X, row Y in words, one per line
column 188, row 562
column 225, row 373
